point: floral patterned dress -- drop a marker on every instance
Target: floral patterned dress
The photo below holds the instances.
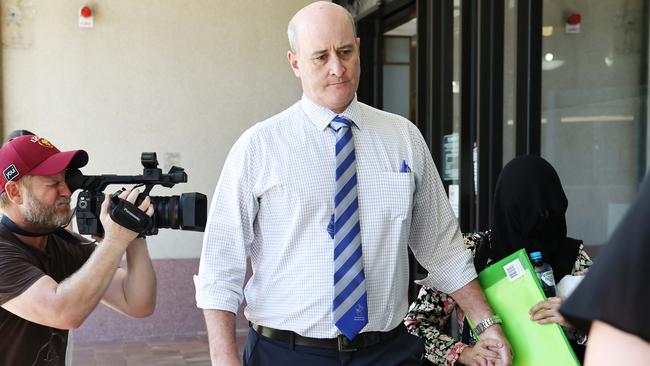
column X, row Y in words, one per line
column 431, row 312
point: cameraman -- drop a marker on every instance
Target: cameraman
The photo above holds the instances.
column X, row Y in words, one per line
column 50, row 279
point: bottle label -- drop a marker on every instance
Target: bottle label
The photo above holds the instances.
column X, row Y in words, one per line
column 547, row 278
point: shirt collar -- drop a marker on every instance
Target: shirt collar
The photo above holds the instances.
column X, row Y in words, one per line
column 321, row 116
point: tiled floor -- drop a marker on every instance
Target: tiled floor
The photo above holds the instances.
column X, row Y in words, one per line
column 187, row 352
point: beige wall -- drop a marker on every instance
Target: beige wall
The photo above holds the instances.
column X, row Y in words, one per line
column 182, row 78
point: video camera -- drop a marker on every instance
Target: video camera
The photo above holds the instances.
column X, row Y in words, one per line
column 185, row 212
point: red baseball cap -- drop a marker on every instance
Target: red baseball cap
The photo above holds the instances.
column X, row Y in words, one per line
column 33, row 155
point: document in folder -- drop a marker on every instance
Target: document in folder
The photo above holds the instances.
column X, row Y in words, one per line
column 512, row 288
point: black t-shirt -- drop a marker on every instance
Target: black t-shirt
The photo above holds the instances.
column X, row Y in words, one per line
column 616, row 290
column 21, row 341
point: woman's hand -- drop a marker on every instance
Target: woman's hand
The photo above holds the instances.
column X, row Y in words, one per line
column 546, row 312
column 481, row 354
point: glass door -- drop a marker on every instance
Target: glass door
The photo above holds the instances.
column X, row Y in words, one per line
column 399, row 70
column 594, row 108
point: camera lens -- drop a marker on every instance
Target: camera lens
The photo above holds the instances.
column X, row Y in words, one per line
column 186, row 212
column 166, row 212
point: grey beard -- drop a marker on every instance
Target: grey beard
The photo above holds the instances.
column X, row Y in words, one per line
column 44, row 217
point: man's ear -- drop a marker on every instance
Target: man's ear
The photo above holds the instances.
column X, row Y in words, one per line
column 358, row 42
column 293, row 61
column 13, row 192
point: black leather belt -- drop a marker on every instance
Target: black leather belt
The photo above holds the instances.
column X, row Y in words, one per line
column 340, row 343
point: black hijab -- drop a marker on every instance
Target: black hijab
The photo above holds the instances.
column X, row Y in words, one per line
column 617, row 287
column 528, row 212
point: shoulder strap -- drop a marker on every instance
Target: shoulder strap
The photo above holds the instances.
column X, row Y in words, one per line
column 60, row 232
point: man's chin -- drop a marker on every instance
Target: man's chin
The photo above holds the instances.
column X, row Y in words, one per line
column 63, row 219
column 340, row 102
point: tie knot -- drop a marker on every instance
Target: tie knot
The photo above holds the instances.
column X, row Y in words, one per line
column 339, row 122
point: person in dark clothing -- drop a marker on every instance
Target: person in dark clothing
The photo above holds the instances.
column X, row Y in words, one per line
column 50, row 278
column 528, row 212
column 612, row 302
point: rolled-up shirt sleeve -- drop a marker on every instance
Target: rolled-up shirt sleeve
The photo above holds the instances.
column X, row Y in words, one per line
column 435, row 237
column 229, row 230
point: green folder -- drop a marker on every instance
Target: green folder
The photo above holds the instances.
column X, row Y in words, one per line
column 512, row 288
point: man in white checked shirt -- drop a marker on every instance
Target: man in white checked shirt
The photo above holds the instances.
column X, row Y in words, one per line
column 324, row 198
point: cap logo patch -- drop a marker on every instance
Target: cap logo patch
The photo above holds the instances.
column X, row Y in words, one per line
column 45, row 143
column 10, row 172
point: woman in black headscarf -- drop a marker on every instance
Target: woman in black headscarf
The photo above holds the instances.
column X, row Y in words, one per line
column 529, row 212
column 616, row 293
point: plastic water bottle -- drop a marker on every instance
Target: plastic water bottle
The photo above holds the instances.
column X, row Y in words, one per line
column 544, row 273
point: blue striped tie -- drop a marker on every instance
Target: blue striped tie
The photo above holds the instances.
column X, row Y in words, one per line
column 350, row 307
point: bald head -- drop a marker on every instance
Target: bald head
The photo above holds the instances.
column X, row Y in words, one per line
column 317, row 15
column 325, row 54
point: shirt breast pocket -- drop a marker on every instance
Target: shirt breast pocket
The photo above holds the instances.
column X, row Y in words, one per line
column 389, row 195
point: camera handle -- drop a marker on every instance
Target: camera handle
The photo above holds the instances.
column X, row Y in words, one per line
column 129, row 215
column 147, row 189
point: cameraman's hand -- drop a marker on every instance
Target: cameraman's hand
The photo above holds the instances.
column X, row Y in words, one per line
column 114, row 232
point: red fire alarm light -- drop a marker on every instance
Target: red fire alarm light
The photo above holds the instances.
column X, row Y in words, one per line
column 86, row 17
column 86, row 12
column 574, row 19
